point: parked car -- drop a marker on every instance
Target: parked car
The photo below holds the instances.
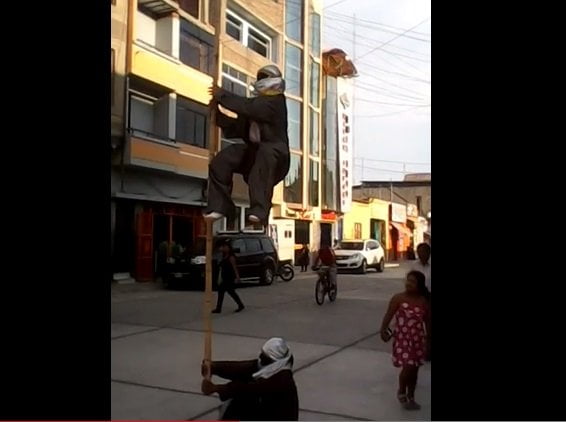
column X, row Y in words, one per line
column 256, row 258
column 359, row 255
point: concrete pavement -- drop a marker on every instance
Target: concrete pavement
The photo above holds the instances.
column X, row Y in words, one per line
column 343, row 371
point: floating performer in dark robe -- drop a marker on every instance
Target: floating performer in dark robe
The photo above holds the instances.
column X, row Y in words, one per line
column 263, row 159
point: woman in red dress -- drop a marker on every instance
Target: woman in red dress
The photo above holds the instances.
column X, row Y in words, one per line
column 412, row 325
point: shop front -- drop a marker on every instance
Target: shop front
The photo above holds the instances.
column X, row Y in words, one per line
column 401, row 236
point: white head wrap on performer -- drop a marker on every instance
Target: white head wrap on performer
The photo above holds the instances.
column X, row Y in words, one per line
column 278, row 351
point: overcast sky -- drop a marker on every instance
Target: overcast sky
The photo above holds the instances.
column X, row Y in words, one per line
column 397, row 74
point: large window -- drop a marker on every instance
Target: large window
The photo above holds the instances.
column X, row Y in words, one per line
column 315, row 34
column 294, row 19
column 192, row 122
column 313, row 188
column 313, row 132
column 330, row 147
column 294, row 123
column 249, row 35
column 142, row 111
column 293, row 69
column 192, row 7
column 293, row 191
column 314, row 83
column 236, row 82
column 196, row 47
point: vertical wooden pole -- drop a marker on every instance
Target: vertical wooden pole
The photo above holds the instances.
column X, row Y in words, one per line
column 218, row 19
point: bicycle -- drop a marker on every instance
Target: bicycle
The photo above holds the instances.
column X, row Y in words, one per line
column 323, row 286
column 286, row 271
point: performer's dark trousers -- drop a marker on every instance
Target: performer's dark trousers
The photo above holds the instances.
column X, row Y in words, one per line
column 263, row 166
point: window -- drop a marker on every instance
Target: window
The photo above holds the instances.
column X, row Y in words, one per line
column 372, row 245
column 313, row 193
column 247, row 34
column 236, row 82
column 239, row 246
column 294, row 125
column 267, row 245
column 419, row 204
column 293, row 69
column 315, row 34
column 192, row 7
column 293, row 191
column 253, row 246
column 196, row 47
column 358, row 231
column 314, row 83
column 313, row 132
column 294, row 19
column 191, row 122
column 141, row 114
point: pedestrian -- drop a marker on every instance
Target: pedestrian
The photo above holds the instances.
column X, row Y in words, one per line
column 423, row 265
column 305, row 258
column 264, row 157
column 260, row 389
column 412, row 318
column 229, row 277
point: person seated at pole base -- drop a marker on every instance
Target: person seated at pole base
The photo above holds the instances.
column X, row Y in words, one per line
column 261, row 389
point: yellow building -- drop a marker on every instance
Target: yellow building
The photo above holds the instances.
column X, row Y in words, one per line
column 368, row 220
column 162, row 64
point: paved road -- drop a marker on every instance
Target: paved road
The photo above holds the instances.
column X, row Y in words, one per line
column 342, row 369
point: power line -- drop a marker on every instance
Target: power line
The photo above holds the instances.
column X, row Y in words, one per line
column 392, row 39
column 349, row 31
column 378, row 23
column 403, row 34
column 413, row 163
column 393, row 112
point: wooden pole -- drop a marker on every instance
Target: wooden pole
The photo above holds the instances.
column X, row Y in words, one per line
column 218, row 20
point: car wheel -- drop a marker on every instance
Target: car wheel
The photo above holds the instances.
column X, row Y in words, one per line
column 363, row 267
column 268, row 275
column 381, row 266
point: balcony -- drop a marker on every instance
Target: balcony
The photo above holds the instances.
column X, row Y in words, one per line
column 148, row 151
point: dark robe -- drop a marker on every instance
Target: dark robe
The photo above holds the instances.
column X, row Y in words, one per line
column 271, row 399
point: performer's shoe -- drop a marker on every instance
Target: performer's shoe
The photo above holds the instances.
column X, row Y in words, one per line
column 213, row 216
column 254, row 218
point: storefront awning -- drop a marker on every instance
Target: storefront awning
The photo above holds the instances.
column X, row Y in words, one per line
column 402, row 229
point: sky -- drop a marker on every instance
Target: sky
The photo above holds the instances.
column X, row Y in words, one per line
column 392, row 119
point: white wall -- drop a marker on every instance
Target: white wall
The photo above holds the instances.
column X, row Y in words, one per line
column 145, row 29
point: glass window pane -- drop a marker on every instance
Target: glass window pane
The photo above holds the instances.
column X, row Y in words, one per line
column 293, row 72
column 314, row 132
column 233, row 29
column 190, row 6
column 313, row 189
column 314, row 83
column 294, row 123
column 293, row 191
column 315, row 34
column 294, row 19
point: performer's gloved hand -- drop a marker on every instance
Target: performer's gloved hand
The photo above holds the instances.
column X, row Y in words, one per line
column 215, row 91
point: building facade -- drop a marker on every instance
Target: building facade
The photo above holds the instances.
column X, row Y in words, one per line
column 162, row 64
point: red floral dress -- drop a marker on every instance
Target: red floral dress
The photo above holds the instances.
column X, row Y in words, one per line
column 410, row 336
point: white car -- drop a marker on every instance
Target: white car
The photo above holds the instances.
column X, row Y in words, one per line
column 359, row 255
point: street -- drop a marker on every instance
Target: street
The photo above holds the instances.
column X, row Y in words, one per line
column 342, row 369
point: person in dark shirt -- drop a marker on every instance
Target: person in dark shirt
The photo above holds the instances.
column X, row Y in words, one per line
column 259, row 390
column 327, row 258
column 264, row 157
column 230, row 276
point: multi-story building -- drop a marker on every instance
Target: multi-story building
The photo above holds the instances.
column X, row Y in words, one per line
column 162, row 52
